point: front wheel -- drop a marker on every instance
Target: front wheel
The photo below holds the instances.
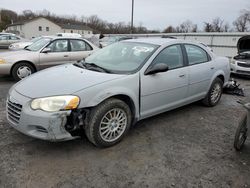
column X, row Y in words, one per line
column 108, row 123
column 241, row 134
column 214, row 94
column 22, row 70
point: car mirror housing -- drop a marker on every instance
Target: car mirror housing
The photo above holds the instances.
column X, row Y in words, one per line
column 46, row 50
column 156, row 68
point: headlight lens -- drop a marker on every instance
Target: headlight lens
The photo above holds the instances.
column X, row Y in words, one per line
column 54, row 104
column 2, row 61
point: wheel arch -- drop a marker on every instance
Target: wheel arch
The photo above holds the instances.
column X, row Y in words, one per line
column 23, row 61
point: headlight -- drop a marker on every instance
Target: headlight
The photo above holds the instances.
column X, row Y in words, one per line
column 54, row 104
column 2, row 61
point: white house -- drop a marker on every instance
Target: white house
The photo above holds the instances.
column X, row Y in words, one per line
column 41, row 26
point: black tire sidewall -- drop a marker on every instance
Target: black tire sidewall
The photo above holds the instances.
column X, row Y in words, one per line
column 17, row 66
column 242, row 125
column 209, row 102
column 92, row 130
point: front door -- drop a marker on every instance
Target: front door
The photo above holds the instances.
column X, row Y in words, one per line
column 167, row 90
column 58, row 54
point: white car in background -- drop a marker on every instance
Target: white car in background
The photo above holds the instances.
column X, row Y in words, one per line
column 240, row 64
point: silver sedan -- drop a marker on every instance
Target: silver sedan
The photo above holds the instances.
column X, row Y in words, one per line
column 114, row 88
column 44, row 53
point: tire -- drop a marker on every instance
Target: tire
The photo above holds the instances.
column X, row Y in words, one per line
column 241, row 134
column 214, row 94
column 22, row 70
column 102, row 129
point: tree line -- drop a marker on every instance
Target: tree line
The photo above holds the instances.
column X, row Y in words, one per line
column 240, row 24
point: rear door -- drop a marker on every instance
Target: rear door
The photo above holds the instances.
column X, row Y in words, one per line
column 58, row 54
column 201, row 69
column 167, row 90
column 79, row 49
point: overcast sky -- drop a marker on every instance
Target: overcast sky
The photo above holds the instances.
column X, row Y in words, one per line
column 153, row 14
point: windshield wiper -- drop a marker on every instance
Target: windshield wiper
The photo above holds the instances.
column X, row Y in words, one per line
column 80, row 64
column 88, row 65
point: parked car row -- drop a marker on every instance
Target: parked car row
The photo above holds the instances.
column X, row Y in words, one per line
column 109, row 91
column 43, row 53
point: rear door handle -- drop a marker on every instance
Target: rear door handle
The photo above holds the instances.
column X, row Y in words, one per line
column 182, row 75
column 65, row 56
column 212, row 68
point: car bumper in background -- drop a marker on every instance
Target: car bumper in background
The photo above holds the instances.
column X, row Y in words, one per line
column 240, row 67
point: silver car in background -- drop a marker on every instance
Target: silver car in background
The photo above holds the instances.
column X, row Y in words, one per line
column 114, row 88
column 44, row 53
column 23, row 44
column 7, row 39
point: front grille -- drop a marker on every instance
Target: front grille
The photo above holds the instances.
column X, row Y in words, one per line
column 244, row 65
column 14, row 111
column 243, row 72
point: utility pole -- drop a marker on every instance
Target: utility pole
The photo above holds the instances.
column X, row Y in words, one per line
column 132, row 18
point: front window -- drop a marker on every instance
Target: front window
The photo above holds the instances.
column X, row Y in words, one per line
column 171, row 56
column 59, row 46
column 38, row 44
column 122, row 57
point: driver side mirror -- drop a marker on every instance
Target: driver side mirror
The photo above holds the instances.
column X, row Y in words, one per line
column 46, row 50
column 156, row 68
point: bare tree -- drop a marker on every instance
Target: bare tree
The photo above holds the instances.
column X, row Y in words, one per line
column 208, row 27
column 217, row 25
column 169, row 29
column 242, row 23
column 186, row 27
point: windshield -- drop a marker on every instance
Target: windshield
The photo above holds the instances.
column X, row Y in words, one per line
column 36, row 39
column 38, row 44
column 122, row 57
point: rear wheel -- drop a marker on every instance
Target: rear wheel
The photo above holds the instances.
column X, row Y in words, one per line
column 214, row 94
column 22, row 70
column 108, row 123
column 241, row 134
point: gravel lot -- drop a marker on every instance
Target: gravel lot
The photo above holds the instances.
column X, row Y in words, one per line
column 188, row 147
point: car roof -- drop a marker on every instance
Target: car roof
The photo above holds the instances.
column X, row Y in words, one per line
column 152, row 40
column 62, row 37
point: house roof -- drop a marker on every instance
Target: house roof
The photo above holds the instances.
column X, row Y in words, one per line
column 63, row 26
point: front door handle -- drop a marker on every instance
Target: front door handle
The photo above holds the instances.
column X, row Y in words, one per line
column 182, row 75
column 65, row 56
column 212, row 68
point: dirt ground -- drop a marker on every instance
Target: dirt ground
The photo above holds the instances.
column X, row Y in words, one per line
column 188, row 147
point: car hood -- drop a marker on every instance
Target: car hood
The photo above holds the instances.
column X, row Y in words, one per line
column 243, row 44
column 61, row 80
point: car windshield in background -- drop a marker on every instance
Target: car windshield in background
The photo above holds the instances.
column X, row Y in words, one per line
column 122, row 57
column 38, row 44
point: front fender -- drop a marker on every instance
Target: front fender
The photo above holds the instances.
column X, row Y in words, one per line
column 127, row 86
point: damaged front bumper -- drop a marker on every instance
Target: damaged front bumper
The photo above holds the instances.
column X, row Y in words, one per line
column 37, row 124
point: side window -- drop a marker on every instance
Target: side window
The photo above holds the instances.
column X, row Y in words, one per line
column 59, row 46
column 79, row 45
column 196, row 54
column 13, row 38
column 4, row 38
column 172, row 56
